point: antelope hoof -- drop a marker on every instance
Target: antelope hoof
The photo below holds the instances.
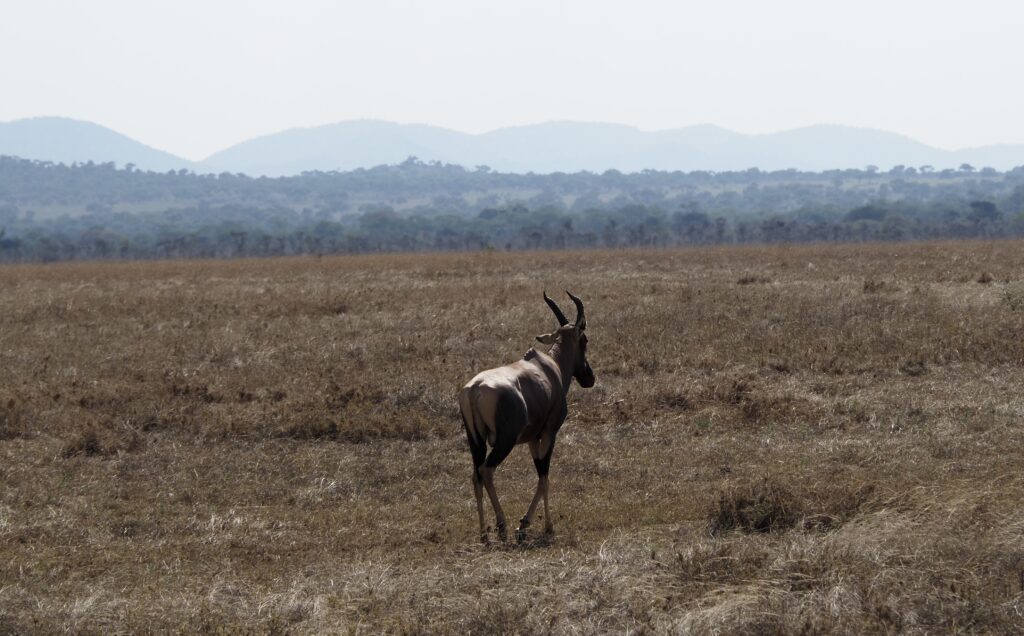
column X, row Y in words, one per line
column 503, row 533
column 521, row 532
column 549, row 529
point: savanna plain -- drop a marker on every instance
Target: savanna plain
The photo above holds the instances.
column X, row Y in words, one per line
column 781, row 440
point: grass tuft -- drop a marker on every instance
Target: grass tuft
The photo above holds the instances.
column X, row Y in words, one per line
column 753, row 279
column 764, row 505
column 13, row 422
column 876, row 286
column 769, row 504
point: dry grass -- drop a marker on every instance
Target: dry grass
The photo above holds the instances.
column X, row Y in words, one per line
column 781, row 440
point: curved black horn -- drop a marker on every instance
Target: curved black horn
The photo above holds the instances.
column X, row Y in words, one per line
column 579, row 309
column 562, row 320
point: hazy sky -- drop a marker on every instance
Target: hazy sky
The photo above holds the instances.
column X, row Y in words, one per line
column 192, row 77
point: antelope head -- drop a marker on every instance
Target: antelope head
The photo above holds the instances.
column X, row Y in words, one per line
column 570, row 339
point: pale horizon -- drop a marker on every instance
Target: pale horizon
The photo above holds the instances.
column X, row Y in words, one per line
column 193, row 79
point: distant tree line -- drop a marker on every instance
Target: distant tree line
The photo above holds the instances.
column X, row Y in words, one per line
column 52, row 212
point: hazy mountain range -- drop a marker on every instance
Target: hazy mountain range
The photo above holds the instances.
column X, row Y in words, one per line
column 542, row 148
column 62, row 140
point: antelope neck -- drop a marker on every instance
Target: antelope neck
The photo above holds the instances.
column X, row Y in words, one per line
column 566, row 364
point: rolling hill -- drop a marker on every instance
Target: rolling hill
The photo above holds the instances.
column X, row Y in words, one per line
column 574, row 146
column 543, row 148
column 63, row 140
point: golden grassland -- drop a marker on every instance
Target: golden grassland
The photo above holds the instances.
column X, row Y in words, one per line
column 781, row 440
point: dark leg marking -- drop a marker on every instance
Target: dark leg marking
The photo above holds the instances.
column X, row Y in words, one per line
column 542, row 464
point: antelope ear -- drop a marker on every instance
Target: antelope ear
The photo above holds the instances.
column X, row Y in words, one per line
column 548, row 338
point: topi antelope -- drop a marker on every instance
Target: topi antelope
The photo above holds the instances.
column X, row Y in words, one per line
column 524, row 402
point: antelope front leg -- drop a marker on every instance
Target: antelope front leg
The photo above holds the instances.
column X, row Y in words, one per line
column 541, row 451
column 524, row 523
column 549, row 525
column 543, row 465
